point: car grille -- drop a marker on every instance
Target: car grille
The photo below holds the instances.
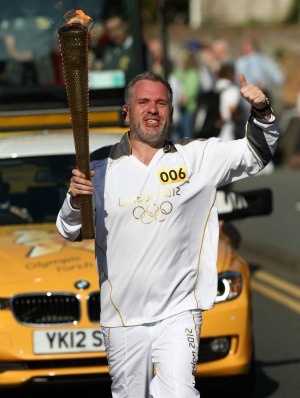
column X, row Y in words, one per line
column 54, row 308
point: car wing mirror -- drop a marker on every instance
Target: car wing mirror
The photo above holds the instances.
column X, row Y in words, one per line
column 233, row 205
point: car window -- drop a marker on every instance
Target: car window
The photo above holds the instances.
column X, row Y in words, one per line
column 36, row 185
column 31, row 65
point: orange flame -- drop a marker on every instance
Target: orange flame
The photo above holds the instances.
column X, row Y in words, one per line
column 77, row 16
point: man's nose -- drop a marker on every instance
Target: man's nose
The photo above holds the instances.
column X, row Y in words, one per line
column 152, row 108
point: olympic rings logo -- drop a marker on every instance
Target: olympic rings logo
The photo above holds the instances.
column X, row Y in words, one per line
column 153, row 212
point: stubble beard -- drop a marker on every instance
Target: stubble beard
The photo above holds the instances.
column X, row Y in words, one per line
column 149, row 135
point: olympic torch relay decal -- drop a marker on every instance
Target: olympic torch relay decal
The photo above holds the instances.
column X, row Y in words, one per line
column 73, row 40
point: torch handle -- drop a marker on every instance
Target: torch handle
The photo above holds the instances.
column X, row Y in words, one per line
column 74, row 49
column 83, row 164
column 87, row 217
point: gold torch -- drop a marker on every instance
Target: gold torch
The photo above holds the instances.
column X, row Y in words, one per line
column 73, row 40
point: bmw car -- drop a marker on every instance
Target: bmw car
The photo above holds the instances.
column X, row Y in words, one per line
column 49, row 293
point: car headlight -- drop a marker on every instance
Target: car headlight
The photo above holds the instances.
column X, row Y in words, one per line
column 229, row 286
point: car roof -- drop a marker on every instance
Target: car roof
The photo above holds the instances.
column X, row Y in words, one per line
column 50, row 143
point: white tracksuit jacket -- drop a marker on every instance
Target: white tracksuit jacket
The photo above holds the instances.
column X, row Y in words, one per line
column 157, row 226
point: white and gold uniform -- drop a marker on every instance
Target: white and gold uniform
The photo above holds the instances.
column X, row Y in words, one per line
column 157, row 234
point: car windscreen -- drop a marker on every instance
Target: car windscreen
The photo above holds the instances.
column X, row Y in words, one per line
column 37, row 184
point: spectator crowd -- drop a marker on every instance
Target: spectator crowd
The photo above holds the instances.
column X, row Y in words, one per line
column 29, row 56
column 201, row 68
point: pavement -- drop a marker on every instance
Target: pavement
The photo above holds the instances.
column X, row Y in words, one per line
column 275, row 237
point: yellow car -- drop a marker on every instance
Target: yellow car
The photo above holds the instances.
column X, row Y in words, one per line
column 49, row 295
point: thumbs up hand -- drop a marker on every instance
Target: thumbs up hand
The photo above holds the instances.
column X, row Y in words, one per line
column 253, row 95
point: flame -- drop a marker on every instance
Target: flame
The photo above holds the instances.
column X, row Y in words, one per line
column 77, row 16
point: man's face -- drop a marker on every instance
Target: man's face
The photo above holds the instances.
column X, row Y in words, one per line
column 116, row 30
column 149, row 114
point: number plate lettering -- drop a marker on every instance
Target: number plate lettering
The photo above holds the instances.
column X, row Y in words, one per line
column 65, row 341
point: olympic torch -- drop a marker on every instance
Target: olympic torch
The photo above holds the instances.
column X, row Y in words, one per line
column 73, row 40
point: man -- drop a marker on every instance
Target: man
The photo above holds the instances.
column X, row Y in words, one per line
column 230, row 103
column 9, row 213
column 157, row 234
column 119, row 52
column 261, row 70
column 222, row 53
column 28, row 40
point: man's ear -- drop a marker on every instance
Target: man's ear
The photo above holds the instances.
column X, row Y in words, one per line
column 124, row 111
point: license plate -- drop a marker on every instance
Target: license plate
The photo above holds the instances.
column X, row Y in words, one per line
column 67, row 341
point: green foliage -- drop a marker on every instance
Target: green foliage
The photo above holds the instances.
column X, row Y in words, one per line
column 293, row 16
column 279, row 53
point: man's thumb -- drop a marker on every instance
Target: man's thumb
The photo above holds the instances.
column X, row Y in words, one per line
column 242, row 80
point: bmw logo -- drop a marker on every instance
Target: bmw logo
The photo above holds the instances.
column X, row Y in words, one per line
column 82, row 284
